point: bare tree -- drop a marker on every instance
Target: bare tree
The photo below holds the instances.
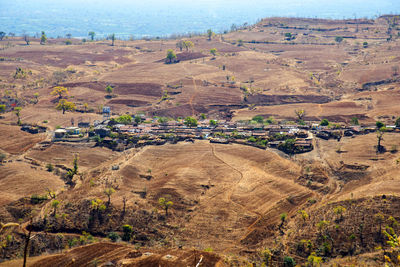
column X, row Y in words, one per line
column 301, row 113
column 26, row 38
column 395, row 70
column 379, row 136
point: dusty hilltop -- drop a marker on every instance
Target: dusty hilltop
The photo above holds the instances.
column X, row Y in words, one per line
column 273, row 144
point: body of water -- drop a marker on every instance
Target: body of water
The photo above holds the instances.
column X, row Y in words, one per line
column 162, row 18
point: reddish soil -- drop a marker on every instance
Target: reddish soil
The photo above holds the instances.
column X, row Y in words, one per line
column 189, row 56
column 128, row 102
column 129, row 256
column 15, row 141
column 147, row 89
column 286, row 99
column 69, row 56
column 228, row 198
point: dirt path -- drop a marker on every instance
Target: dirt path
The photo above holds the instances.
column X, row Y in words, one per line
column 229, row 197
column 319, row 111
column 333, row 184
column 194, row 86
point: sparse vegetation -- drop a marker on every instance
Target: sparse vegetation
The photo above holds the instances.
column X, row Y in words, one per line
column 92, row 35
column 165, row 204
column 43, row 38
column 128, row 230
column 171, row 56
column 124, row 119
column 109, row 89
column 324, row 122
column 190, row 122
column 214, row 52
column 60, row 91
column 54, row 204
column 210, row 34
column 17, row 111
column 2, row 108
column 109, row 192
column 224, row 171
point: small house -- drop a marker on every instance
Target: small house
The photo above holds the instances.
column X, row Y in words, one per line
column 60, row 133
column 102, row 131
column 73, row 130
column 83, row 124
column 259, row 133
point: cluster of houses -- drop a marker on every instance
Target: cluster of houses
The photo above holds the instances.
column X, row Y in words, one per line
column 223, row 132
column 151, row 131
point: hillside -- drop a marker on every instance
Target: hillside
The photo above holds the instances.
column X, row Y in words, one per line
column 235, row 199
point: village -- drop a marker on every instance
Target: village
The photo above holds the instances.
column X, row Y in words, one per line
column 127, row 131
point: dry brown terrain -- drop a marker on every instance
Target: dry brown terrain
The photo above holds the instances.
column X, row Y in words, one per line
column 226, row 198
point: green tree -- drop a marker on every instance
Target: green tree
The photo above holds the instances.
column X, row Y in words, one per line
column 270, row 120
column 124, row 119
column 355, row 121
column 2, row 35
column 283, row 218
column 258, row 119
column 60, row 91
column 113, row 236
column 266, row 256
column 138, row 119
column 213, row 123
column 165, row 204
column 188, row 45
column 109, row 89
column 203, row 116
column 324, row 122
column 171, row 56
column 379, row 124
column 128, row 230
column 289, row 262
column 2, row 108
column 43, row 39
column 303, row 214
column 190, row 122
column 214, row 51
column 314, row 261
column 75, row 164
column 339, row 210
column 338, row 39
column 210, row 34
column 97, row 205
column 65, row 105
column 72, row 172
column 92, row 34
column 54, row 204
column 17, row 112
column 365, row 44
column 162, row 119
column 288, row 36
column 397, row 122
column 109, row 191
column 288, row 146
column 49, row 167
